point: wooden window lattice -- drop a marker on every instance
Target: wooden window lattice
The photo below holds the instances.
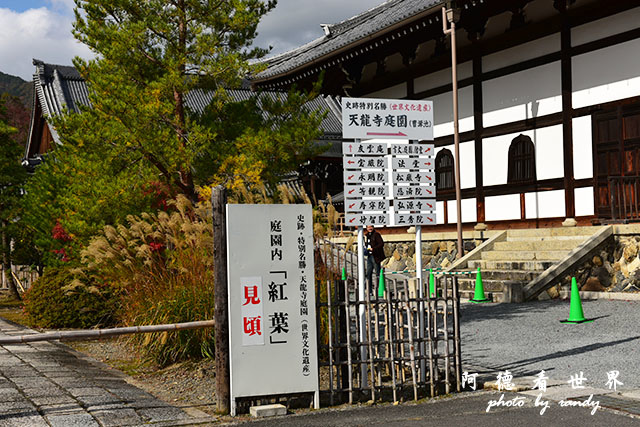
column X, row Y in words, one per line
column 522, row 161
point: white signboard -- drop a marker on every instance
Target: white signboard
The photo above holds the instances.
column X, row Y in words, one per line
column 362, row 219
column 412, row 149
column 366, row 206
column 413, row 163
column 367, row 118
column 360, row 162
column 400, row 191
column 272, row 321
column 354, row 177
column 364, row 148
column 420, row 177
column 406, row 219
column 379, row 190
column 420, row 205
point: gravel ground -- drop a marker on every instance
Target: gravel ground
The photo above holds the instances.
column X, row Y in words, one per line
column 526, row 338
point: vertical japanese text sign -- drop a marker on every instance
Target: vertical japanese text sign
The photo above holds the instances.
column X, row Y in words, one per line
column 272, row 326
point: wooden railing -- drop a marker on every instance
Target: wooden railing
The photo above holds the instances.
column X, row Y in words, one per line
column 624, row 198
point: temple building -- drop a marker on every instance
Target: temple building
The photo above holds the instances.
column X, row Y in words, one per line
column 549, row 96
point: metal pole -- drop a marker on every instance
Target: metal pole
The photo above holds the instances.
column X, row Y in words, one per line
column 448, row 15
column 419, row 274
column 361, row 307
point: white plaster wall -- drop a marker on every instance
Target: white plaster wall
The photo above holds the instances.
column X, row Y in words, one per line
column 530, row 93
column 549, row 157
column 440, row 212
column 443, row 112
column 605, row 27
column 469, row 211
column 606, row 75
column 520, row 53
column 544, row 204
column 584, row 201
column 442, row 77
column 497, row 208
column 393, row 92
column 582, row 149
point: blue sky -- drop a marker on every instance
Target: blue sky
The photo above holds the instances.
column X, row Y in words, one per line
column 41, row 29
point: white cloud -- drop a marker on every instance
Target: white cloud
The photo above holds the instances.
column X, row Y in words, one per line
column 37, row 33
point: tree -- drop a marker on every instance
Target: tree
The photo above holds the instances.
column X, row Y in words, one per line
column 12, row 177
column 151, row 55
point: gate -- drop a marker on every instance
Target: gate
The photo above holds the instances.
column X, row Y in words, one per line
column 400, row 346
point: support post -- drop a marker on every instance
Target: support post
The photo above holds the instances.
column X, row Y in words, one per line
column 449, row 15
column 361, row 308
column 221, row 313
column 419, row 274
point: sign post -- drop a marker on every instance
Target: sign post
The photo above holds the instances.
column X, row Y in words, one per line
column 368, row 190
column 272, row 320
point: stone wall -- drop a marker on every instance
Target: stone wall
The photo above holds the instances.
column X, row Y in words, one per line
column 435, row 254
column 615, row 267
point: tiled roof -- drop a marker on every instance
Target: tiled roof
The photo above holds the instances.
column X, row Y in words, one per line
column 61, row 88
column 346, row 33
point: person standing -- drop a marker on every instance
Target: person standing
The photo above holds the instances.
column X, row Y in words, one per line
column 374, row 253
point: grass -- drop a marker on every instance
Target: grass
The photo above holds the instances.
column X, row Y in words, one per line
column 11, row 309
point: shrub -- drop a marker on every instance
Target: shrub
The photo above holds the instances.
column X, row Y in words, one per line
column 67, row 298
column 163, row 265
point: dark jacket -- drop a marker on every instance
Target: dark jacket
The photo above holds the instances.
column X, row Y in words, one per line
column 377, row 245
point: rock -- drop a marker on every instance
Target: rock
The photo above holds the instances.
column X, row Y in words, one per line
column 469, row 246
column 543, row 296
column 630, row 251
column 426, row 259
column 633, row 266
column 554, row 292
column 445, row 263
column 616, row 267
column 411, row 249
column 435, row 247
column 384, row 262
column 388, row 249
column 622, row 283
column 443, row 246
column 410, row 263
column 597, row 261
column 452, row 255
column 395, row 265
column 451, row 246
column 607, row 265
column 603, row 276
column 396, row 255
column 569, row 222
column 593, row 285
column 631, row 288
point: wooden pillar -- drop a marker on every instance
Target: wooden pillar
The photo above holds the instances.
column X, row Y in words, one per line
column 221, row 312
column 478, row 126
column 567, row 111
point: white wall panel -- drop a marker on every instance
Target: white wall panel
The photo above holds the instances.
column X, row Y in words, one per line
column 440, row 212
column 520, row 53
column 606, row 75
column 442, row 77
column 469, row 210
column 393, row 92
column 582, row 148
column 443, row 112
column 605, row 27
column 530, row 93
column 497, row 208
column 584, row 201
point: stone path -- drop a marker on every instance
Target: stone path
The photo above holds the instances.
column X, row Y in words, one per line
column 49, row 384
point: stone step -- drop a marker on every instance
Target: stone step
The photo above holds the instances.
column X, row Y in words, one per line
column 523, row 275
column 545, row 238
column 524, row 255
column 493, row 296
column 538, row 245
column 488, row 285
column 486, row 265
column 558, row 231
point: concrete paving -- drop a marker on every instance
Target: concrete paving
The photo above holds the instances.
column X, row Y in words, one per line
column 49, row 384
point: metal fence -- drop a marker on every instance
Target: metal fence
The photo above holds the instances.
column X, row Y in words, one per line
column 399, row 346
